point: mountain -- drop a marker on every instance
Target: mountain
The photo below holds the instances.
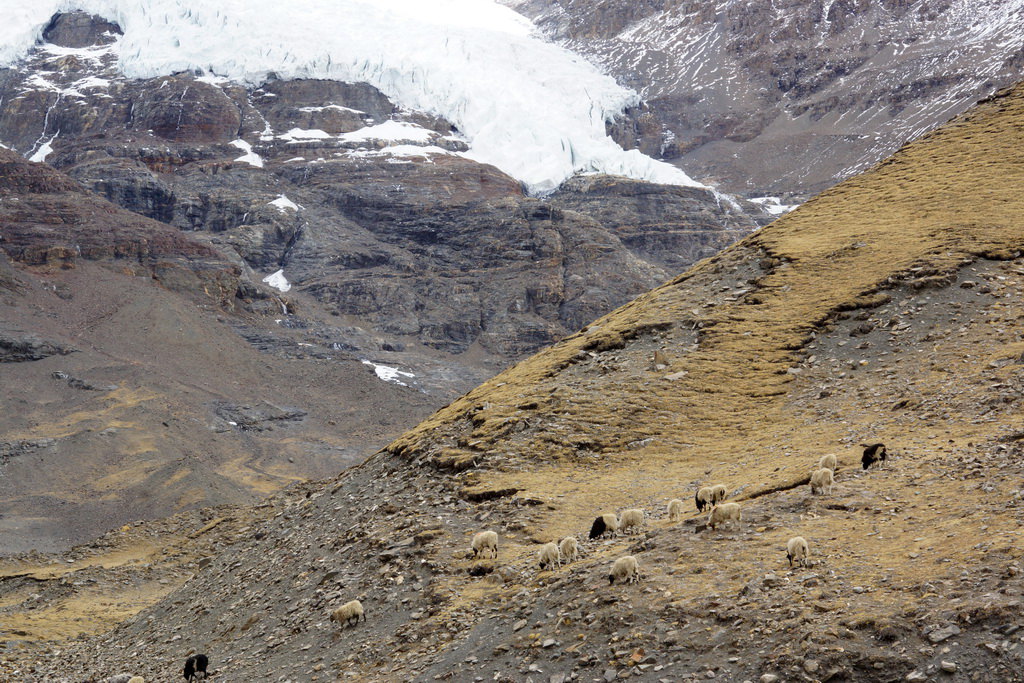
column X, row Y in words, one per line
column 131, row 389
column 883, row 310
column 367, row 199
column 770, row 96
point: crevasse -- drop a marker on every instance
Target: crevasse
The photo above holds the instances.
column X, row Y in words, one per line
column 533, row 109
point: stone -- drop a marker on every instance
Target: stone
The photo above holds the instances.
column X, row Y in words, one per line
column 769, row 678
column 811, row 665
column 916, row 676
column 948, row 667
column 941, row 634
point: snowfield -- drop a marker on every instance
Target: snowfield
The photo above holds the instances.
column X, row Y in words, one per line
column 531, row 108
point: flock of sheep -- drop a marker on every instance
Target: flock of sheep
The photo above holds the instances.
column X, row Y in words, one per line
column 626, row 569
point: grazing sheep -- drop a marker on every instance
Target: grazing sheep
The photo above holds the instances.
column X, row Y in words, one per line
column 828, row 462
column 874, row 453
column 723, row 513
column 606, row 522
column 631, row 519
column 718, row 492
column 569, row 548
column 549, row 555
column 821, row 481
column 485, row 540
column 703, row 498
column 797, row 550
column 196, row 664
column 625, row 568
column 349, row 613
column 675, row 509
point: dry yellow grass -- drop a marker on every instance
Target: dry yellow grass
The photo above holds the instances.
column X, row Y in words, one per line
column 587, row 433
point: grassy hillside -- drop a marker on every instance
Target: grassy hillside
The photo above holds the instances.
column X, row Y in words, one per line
column 886, row 309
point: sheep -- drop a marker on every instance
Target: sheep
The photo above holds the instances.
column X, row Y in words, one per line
column 631, row 519
column 797, row 550
column 549, row 555
column 196, row 664
column 569, row 548
column 821, row 481
column 718, row 492
column 724, row 513
column 485, row 540
column 873, row 453
column 828, row 462
column 349, row 613
column 703, row 498
column 606, row 522
column 675, row 509
column 625, row 568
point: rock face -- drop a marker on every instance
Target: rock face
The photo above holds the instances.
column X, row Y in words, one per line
column 368, row 208
column 131, row 391
column 774, row 97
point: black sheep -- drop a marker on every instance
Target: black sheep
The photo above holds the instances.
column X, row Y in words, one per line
column 194, row 664
column 598, row 527
column 872, row 453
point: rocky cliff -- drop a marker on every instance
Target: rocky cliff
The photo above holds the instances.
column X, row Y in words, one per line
column 770, row 97
column 884, row 310
column 130, row 390
column 369, row 208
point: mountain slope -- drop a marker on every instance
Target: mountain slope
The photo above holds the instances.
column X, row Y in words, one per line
column 130, row 391
column 773, row 97
column 884, row 310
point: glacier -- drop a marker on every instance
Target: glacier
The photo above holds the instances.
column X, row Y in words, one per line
column 533, row 109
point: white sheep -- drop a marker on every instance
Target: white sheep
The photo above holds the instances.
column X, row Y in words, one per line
column 821, row 481
column 797, row 550
column 704, row 498
column 625, row 568
column 828, row 462
column 723, row 513
column 606, row 522
column 718, row 492
column 548, row 556
column 631, row 519
column 485, row 540
column 349, row 613
column 675, row 509
column 569, row 548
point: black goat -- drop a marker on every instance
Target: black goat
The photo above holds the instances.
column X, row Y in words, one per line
column 872, row 453
column 196, row 664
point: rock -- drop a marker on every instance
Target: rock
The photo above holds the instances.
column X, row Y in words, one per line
column 948, row 667
column 916, row 676
column 941, row 634
column 811, row 665
column 769, row 678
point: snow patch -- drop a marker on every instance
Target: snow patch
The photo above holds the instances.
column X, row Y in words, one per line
column 531, row 108
column 400, row 151
column 44, row 150
column 391, row 131
column 278, row 281
column 388, row 373
column 304, row 135
column 773, row 205
column 250, row 157
column 283, row 204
